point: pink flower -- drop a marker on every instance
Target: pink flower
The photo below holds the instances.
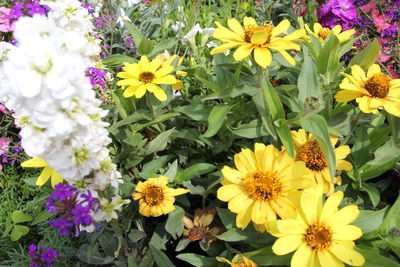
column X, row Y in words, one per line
column 4, row 142
column 392, row 71
column 259, row 2
column 4, row 110
column 382, row 57
column 5, row 24
column 371, row 6
column 380, row 21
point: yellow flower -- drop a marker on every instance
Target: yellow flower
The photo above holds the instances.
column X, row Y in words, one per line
column 309, row 151
column 145, row 75
column 372, row 91
column 321, row 234
column 263, row 185
column 259, row 39
column 166, row 58
column 322, row 33
column 239, row 261
column 156, row 198
column 46, row 173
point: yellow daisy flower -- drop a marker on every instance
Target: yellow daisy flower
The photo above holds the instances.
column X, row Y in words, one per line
column 322, row 33
column 145, row 75
column 321, row 235
column 372, row 91
column 46, row 173
column 156, row 198
column 260, row 39
column 239, row 261
column 308, row 150
column 260, row 189
column 166, row 58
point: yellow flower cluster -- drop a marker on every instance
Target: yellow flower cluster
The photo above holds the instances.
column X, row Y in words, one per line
column 283, row 196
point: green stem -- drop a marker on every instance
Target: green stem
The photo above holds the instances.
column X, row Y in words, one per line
column 356, row 120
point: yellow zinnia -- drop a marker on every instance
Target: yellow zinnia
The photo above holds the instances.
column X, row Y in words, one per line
column 156, row 198
column 46, row 173
column 321, row 235
column 145, row 75
column 322, row 33
column 262, row 186
column 372, row 91
column 309, row 151
column 259, row 39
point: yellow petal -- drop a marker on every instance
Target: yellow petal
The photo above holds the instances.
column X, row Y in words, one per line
column 358, row 73
column 232, row 175
column 160, row 94
column 343, row 165
column 346, row 35
column 258, row 214
column 164, row 70
column 224, row 47
column 344, row 216
column 168, row 79
column 44, row 176
column 364, row 104
column 259, row 152
column 144, row 63
column 128, row 82
column 141, row 90
column 346, row 95
column 154, row 65
column 326, row 259
column 346, row 254
column 317, row 27
column 311, row 204
column 346, row 232
column 288, row 57
column 345, row 84
column 178, row 191
column 342, row 152
column 243, row 51
column 235, row 26
column 243, row 218
column 56, row 178
column 331, row 206
column 291, row 226
column 281, row 27
column 239, row 203
column 337, row 29
column 130, row 91
column 284, row 208
column 249, row 21
column 303, row 257
column 228, row 192
column 393, row 108
column 34, row 163
column 295, row 35
column 373, row 69
column 262, row 56
column 286, row 244
column 259, row 37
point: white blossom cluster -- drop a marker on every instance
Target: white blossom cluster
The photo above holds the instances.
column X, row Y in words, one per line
column 54, row 104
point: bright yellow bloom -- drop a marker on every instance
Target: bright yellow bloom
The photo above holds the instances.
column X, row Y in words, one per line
column 263, row 185
column 309, row 151
column 260, row 39
column 46, row 173
column 166, row 58
column 156, row 198
column 145, row 75
column 321, row 234
column 322, row 33
column 372, row 91
column 239, row 261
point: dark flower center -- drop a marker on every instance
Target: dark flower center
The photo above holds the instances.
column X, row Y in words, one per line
column 378, row 85
column 318, row 236
column 313, row 156
column 146, row 77
column 262, row 185
column 153, row 195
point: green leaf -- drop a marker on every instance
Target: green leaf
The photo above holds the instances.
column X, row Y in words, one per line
column 367, row 56
column 137, row 116
column 308, row 83
column 131, row 262
column 197, row 112
column 328, row 59
column 160, row 142
column 19, row 217
column 9, row 226
column 197, row 260
column 228, row 218
column 42, row 216
column 171, row 172
column 91, row 255
column 136, row 235
column 277, row 113
column 374, row 259
column 392, row 219
column 163, row 45
column 160, row 258
column 167, row 116
column 265, row 257
column 134, row 31
column 360, row 149
column 370, row 220
column 316, row 124
column 18, row 232
column 145, row 46
column 193, row 171
column 174, row 225
column 372, row 192
column 235, row 235
column 216, row 119
column 251, row 130
column 117, row 60
column 151, row 168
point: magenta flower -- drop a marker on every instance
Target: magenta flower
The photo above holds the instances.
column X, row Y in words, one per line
column 337, row 12
column 5, row 24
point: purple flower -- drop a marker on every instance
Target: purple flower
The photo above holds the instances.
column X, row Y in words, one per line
column 362, row 22
column 73, row 207
column 337, row 12
column 390, row 32
column 97, row 77
column 40, row 257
